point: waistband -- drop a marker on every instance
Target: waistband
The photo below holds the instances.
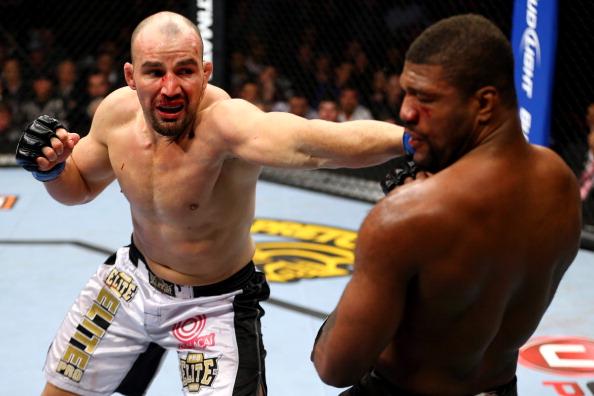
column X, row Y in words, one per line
column 235, row 282
column 508, row 389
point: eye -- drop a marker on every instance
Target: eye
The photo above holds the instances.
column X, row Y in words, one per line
column 186, row 71
column 424, row 98
column 155, row 73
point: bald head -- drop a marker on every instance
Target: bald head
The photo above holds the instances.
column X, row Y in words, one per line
column 167, row 24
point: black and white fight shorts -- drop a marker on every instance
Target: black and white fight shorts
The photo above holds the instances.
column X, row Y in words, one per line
column 115, row 335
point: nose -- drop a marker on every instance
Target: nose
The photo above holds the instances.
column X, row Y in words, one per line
column 408, row 113
column 170, row 85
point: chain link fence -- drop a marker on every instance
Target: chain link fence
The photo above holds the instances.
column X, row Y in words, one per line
column 320, row 59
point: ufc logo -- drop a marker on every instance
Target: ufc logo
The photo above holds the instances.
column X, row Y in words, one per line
column 551, row 354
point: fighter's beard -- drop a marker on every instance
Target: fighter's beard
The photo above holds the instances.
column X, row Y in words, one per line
column 174, row 129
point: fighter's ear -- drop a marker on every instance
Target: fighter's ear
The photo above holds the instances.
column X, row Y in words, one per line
column 487, row 99
column 129, row 75
column 207, row 67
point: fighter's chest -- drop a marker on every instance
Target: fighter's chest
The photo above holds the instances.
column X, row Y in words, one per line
column 168, row 178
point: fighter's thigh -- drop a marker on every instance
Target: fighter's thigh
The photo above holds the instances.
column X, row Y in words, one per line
column 99, row 340
column 51, row 390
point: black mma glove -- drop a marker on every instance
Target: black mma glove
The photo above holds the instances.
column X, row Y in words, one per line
column 36, row 136
column 405, row 168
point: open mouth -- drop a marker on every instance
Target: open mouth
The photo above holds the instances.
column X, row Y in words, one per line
column 170, row 110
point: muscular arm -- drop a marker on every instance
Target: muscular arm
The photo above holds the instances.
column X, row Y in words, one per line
column 88, row 170
column 370, row 309
column 286, row 140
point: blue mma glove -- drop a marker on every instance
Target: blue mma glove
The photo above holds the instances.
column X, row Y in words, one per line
column 408, row 150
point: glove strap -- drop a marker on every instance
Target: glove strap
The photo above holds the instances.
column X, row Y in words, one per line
column 45, row 176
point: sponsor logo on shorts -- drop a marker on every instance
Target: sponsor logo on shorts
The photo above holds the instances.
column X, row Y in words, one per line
column 306, row 251
column 121, row 284
column 87, row 336
column 7, row 201
column 567, row 356
column 188, row 333
column 161, row 284
column 197, row 371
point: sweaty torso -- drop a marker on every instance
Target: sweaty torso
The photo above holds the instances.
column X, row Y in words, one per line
column 487, row 274
column 192, row 205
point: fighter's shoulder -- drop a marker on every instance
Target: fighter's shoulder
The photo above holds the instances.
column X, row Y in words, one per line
column 214, row 95
column 118, row 107
column 412, row 214
column 551, row 170
column 227, row 115
column 216, row 92
column 549, row 159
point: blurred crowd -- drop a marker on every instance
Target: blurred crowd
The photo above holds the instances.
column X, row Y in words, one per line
column 43, row 79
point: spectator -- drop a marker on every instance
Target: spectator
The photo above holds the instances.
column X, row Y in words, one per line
column 393, row 61
column 97, row 87
column 272, row 86
column 388, row 109
column 302, row 71
column 14, row 89
column 47, row 39
column 44, row 100
column 299, row 105
column 257, row 58
column 350, row 108
column 67, row 89
column 324, row 79
column 377, row 96
column 328, row 110
column 352, row 50
column 238, row 72
column 106, row 64
column 362, row 76
column 38, row 59
column 9, row 133
column 343, row 75
column 250, row 91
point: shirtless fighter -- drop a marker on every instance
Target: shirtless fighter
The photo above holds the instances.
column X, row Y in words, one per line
column 187, row 158
column 453, row 272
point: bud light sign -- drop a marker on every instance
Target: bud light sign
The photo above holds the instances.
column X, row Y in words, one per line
column 534, row 38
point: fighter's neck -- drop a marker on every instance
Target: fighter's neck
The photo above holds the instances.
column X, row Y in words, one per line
column 504, row 128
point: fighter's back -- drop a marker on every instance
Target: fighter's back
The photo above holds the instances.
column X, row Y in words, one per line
column 496, row 232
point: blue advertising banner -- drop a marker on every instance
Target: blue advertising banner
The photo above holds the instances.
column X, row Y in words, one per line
column 534, row 40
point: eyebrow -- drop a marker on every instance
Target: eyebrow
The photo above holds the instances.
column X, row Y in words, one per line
column 149, row 64
column 184, row 62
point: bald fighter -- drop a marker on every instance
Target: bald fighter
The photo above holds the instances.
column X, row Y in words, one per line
column 453, row 272
column 187, row 158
